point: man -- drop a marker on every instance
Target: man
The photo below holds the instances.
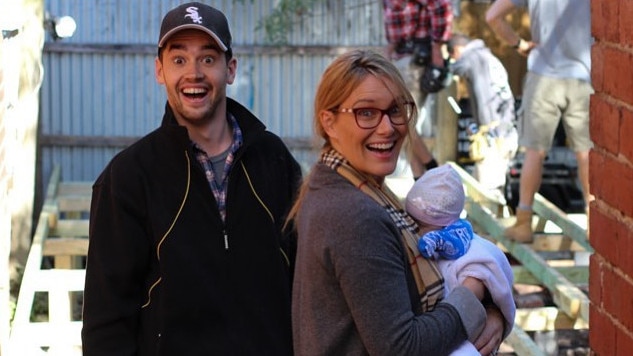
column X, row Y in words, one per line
column 187, row 254
column 416, row 33
column 492, row 107
column 557, row 87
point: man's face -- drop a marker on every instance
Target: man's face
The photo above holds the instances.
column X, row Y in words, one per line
column 457, row 52
column 195, row 74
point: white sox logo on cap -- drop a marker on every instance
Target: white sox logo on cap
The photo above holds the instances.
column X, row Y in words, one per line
column 192, row 13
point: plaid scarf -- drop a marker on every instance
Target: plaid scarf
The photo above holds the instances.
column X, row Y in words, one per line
column 425, row 272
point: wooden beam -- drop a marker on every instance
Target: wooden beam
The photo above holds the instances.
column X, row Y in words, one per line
column 31, row 336
column 546, row 319
column 29, row 280
column 522, row 343
column 76, row 204
column 302, row 143
column 244, row 50
column 551, row 212
column 575, row 274
column 74, row 188
column 70, row 228
column 555, row 242
column 566, row 295
column 66, row 247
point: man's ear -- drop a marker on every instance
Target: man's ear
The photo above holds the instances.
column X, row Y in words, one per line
column 327, row 119
column 158, row 71
column 231, row 70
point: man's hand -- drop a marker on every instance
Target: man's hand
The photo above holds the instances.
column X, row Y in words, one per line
column 525, row 47
column 437, row 54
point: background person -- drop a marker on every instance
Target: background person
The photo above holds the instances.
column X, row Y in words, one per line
column 557, row 87
column 187, row 255
column 358, row 288
column 435, row 202
column 416, row 33
column 495, row 140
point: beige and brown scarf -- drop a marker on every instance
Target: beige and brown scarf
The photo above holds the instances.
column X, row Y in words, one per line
column 426, row 274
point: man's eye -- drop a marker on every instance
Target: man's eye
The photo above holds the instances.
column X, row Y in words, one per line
column 179, row 60
column 208, row 60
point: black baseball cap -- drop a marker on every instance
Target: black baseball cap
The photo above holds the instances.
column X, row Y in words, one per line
column 198, row 16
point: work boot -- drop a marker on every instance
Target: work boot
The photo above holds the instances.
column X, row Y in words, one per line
column 521, row 231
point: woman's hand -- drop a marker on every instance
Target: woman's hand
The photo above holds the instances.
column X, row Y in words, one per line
column 491, row 337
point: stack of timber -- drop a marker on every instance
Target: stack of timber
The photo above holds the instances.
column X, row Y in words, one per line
column 556, row 261
column 47, row 318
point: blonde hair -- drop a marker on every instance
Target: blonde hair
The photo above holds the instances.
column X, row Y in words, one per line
column 337, row 83
column 346, row 73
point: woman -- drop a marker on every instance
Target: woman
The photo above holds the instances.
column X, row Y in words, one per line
column 358, row 286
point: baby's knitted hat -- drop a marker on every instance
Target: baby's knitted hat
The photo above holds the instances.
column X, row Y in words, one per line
column 437, row 198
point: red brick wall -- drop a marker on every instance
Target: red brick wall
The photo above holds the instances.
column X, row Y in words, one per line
column 611, row 179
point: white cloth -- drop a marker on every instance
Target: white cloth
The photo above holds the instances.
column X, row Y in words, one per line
column 486, row 262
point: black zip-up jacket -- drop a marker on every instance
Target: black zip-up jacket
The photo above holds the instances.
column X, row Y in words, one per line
column 165, row 275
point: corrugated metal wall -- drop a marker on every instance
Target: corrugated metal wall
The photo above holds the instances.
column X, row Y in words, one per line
column 100, row 83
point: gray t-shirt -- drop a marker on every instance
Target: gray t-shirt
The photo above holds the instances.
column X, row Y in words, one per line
column 562, row 31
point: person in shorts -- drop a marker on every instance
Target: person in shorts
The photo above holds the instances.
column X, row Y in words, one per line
column 557, row 87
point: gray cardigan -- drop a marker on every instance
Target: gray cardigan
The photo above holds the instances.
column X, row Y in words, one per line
column 353, row 290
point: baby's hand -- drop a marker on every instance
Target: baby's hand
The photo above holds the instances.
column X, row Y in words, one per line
column 476, row 286
column 450, row 242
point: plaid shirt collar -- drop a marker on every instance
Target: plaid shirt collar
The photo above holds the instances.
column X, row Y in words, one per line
column 220, row 190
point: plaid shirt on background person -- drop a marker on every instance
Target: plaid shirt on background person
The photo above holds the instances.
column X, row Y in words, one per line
column 407, row 19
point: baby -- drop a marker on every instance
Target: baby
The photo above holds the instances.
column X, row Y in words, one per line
column 435, row 202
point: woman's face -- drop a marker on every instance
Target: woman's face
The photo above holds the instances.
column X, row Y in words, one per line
column 371, row 151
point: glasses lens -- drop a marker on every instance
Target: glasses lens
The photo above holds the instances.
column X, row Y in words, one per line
column 400, row 114
column 368, row 117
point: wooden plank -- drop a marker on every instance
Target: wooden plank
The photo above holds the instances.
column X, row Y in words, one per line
column 546, row 319
column 74, row 188
column 551, row 212
column 50, row 203
column 566, row 295
column 59, row 334
column 522, row 343
column 77, row 203
column 27, row 336
column 69, row 246
column 134, row 48
column 70, row 228
column 29, row 280
column 69, row 280
column 53, row 184
column 555, row 242
column 74, row 197
column 544, row 209
column 574, row 274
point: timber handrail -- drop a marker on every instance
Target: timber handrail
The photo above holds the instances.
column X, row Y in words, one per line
column 54, row 268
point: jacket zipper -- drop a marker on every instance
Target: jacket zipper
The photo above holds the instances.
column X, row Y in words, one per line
column 226, row 240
